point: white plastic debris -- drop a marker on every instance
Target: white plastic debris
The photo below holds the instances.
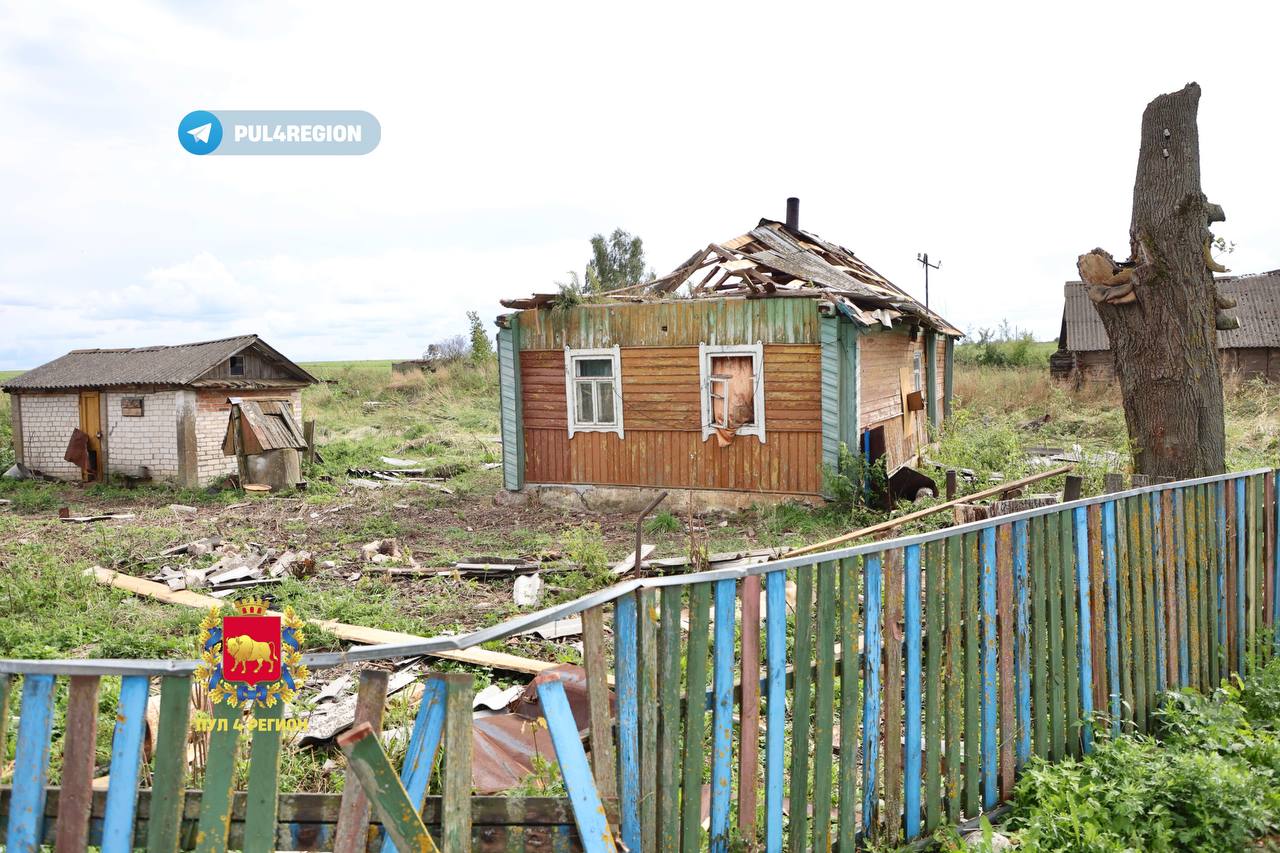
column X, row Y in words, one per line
column 527, row 590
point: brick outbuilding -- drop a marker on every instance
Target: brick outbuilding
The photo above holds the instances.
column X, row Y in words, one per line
column 157, row 411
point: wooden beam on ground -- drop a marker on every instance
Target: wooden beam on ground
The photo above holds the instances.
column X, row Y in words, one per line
column 886, row 526
column 341, row 630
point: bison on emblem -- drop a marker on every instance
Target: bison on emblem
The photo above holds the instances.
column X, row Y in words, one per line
column 246, row 650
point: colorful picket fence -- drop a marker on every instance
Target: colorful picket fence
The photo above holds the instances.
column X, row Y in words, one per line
column 874, row 692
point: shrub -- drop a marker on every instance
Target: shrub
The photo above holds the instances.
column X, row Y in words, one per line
column 1210, row 783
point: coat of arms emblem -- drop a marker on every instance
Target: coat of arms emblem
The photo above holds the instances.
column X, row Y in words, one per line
column 252, row 655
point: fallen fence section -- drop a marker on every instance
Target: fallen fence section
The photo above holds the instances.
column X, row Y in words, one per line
column 983, row 645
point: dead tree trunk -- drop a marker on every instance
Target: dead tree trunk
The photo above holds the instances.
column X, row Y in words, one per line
column 1159, row 307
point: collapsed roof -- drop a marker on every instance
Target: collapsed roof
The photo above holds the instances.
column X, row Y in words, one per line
column 774, row 260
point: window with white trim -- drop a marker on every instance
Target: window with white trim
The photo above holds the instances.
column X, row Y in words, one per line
column 593, row 387
column 732, row 380
column 917, row 372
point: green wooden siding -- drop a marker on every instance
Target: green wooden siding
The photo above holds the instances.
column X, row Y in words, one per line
column 509, row 392
column 948, row 380
column 675, row 323
column 849, row 426
column 830, row 391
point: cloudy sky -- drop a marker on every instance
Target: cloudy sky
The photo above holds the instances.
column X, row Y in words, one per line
column 1000, row 139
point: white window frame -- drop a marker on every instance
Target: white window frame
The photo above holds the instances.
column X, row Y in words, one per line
column 705, row 354
column 917, row 369
column 571, row 401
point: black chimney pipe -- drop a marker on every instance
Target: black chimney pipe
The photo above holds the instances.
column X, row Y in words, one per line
column 793, row 213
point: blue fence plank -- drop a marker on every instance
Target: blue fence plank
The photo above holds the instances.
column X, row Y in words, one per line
column 990, row 701
column 776, row 709
column 588, row 811
column 912, row 756
column 1275, row 560
column 625, row 638
column 126, row 760
column 424, row 742
column 872, row 582
column 1085, row 632
column 1113, row 618
column 1022, row 642
column 31, row 767
column 726, row 596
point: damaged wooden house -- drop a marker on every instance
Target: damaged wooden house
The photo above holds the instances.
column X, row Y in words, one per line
column 1253, row 350
column 737, row 376
column 158, row 413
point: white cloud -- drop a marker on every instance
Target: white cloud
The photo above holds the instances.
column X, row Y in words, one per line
column 999, row 138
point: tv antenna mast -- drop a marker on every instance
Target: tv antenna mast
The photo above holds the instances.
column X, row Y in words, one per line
column 924, row 261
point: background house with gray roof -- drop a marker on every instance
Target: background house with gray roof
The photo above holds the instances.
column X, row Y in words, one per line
column 1084, row 351
column 159, row 411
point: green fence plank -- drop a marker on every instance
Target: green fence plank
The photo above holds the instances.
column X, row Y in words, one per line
column 1005, row 609
column 801, row 660
column 647, row 666
column 954, row 675
column 219, row 780
column 972, row 656
column 1143, row 642
column 1172, row 642
column 1150, row 639
column 893, row 686
column 1208, row 589
column 1124, row 612
column 6, row 687
column 1050, row 697
column 1256, row 622
column 458, row 745
column 669, row 721
column 695, row 718
column 1045, row 640
column 824, row 707
column 850, row 707
column 169, row 767
column 933, row 602
column 264, row 779
column 1068, row 601
column 1191, row 547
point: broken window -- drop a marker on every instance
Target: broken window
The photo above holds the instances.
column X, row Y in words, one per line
column 732, row 390
column 594, row 395
column 237, row 365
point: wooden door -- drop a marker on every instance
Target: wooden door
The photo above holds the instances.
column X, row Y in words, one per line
column 91, row 425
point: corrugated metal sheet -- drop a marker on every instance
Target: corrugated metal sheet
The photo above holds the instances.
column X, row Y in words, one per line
column 158, row 365
column 683, row 322
column 1259, row 312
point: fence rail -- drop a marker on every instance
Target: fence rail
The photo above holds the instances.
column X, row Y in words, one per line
column 905, row 682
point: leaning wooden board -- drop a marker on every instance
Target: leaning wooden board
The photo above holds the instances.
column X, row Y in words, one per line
column 341, row 630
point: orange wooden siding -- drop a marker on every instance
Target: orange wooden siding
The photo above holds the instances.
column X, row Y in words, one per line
column 661, row 403
column 883, row 355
